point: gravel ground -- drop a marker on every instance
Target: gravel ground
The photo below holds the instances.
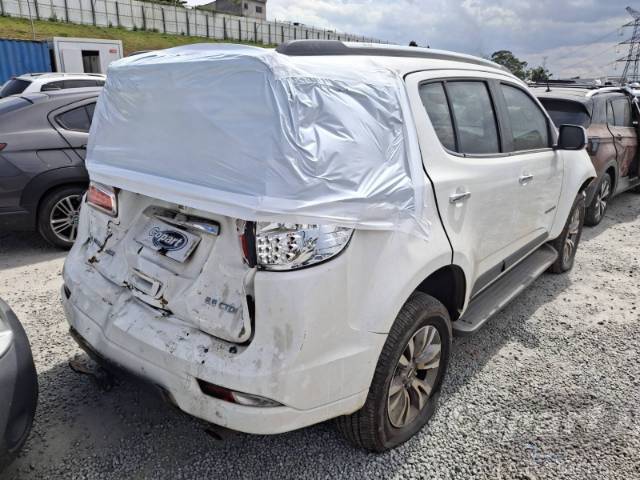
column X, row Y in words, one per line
column 549, row 389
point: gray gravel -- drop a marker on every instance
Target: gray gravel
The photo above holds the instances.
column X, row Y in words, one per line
column 550, row 389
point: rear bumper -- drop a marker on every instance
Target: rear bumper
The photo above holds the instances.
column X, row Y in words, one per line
column 304, row 354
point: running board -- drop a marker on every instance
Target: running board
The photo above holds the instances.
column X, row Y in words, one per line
column 495, row 297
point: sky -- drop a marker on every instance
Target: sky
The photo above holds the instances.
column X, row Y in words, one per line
column 575, row 37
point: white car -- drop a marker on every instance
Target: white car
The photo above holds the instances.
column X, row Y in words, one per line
column 43, row 82
column 278, row 238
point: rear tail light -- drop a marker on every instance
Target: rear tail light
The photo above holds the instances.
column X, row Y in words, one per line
column 2, row 145
column 103, row 198
column 232, row 396
column 283, row 246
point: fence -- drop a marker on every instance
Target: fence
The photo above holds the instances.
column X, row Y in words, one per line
column 171, row 19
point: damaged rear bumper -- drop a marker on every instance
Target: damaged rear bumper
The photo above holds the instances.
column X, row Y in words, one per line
column 311, row 380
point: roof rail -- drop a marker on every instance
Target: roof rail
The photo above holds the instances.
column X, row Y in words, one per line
column 337, row 47
column 604, row 90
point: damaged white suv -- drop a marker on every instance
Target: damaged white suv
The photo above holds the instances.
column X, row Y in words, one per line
column 280, row 237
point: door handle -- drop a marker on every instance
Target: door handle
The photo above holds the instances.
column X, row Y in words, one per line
column 459, row 196
column 524, row 179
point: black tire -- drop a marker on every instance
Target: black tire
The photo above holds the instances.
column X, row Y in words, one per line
column 47, row 204
column 602, row 196
column 370, row 427
column 565, row 262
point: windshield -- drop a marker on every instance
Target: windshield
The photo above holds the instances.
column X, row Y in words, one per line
column 566, row 112
column 13, row 87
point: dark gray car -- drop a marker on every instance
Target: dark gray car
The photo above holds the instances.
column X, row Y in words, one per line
column 18, row 386
column 43, row 138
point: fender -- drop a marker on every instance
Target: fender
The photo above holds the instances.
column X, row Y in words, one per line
column 41, row 184
column 578, row 169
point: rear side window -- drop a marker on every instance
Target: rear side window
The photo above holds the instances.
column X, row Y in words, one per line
column 14, row 87
column 620, row 115
column 59, row 85
column 78, row 119
column 528, row 123
column 475, row 119
column 564, row 112
column 435, row 102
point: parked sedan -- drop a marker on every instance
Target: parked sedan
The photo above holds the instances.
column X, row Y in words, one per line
column 43, row 138
column 18, row 386
column 611, row 118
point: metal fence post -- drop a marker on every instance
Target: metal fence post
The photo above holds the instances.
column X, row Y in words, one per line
column 255, row 32
column 1, row 8
column 207, row 20
column 224, row 28
column 269, row 33
column 35, row 4
column 281, row 33
column 239, row 30
column 117, row 13
column 144, row 17
column 164, row 23
column 186, row 15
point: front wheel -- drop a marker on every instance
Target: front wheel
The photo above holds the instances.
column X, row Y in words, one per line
column 567, row 243
column 406, row 383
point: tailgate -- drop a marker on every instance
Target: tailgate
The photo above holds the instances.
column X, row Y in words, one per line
column 180, row 260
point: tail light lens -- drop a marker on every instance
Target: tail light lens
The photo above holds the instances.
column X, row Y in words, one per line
column 284, row 246
column 103, row 198
column 2, row 146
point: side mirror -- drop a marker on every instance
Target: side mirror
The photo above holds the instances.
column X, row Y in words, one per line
column 572, row 137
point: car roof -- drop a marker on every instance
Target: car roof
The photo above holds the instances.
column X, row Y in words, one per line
column 70, row 94
column 403, row 60
column 57, row 75
column 576, row 94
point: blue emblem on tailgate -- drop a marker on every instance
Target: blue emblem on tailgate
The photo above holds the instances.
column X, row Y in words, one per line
column 167, row 239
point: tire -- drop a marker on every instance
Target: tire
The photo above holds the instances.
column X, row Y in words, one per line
column 572, row 232
column 61, row 206
column 372, row 427
column 601, row 198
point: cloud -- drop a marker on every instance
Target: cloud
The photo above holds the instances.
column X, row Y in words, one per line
column 577, row 37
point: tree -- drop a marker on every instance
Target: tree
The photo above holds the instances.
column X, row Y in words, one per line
column 511, row 62
column 538, row 74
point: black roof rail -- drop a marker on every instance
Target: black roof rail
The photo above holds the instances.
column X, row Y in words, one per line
column 337, row 47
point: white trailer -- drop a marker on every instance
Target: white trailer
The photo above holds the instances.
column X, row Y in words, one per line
column 84, row 55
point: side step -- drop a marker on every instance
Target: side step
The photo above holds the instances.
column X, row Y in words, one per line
column 499, row 294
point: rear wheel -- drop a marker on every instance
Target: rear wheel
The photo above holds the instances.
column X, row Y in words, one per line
column 406, row 384
column 58, row 215
column 595, row 212
column 567, row 243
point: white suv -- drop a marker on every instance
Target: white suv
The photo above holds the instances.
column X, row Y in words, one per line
column 278, row 238
column 43, row 82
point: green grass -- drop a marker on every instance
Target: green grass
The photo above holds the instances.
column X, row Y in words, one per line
column 20, row 28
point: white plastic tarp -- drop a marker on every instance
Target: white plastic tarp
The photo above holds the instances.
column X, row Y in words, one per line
column 257, row 135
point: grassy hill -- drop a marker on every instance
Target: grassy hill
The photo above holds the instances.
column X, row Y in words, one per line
column 20, row 28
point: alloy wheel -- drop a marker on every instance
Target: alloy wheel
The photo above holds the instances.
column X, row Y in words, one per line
column 414, row 377
column 64, row 217
column 602, row 197
column 572, row 236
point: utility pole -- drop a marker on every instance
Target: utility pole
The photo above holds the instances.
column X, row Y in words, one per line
column 632, row 60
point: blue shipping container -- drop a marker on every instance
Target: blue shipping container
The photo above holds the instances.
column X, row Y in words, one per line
column 23, row 56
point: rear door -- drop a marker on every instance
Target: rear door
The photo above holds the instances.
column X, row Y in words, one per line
column 475, row 178
column 620, row 123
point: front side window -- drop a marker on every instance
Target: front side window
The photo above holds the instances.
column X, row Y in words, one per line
column 475, row 119
column 528, row 123
column 78, row 119
column 435, row 102
column 621, row 113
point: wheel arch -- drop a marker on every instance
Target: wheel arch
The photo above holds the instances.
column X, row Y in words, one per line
column 448, row 286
